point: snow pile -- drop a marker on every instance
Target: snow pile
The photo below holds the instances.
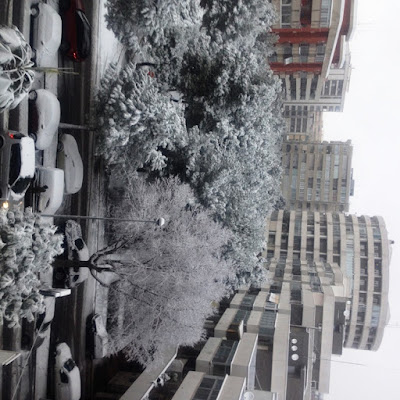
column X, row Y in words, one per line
column 16, row 75
column 28, row 246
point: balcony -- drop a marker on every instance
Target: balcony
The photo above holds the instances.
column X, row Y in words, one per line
column 199, row 386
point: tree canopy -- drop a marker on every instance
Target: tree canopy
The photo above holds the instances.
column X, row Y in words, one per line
column 170, row 276
column 28, row 246
column 222, row 132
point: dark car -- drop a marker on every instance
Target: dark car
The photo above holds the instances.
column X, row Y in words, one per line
column 76, row 38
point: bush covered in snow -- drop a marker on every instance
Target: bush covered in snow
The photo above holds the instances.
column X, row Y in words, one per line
column 28, row 246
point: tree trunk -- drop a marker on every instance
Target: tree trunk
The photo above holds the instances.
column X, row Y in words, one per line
column 81, row 264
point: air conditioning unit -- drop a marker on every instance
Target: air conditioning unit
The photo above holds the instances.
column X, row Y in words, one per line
column 288, row 60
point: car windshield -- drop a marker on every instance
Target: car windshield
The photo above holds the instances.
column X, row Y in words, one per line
column 15, row 163
column 69, row 365
column 21, row 184
column 83, row 28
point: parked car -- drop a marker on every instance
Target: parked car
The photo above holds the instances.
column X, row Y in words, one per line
column 49, row 187
column 17, row 166
column 44, row 117
column 97, row 337
column 67, row 375
column 54, row 292
column 46, row 32
column 76, row 38
column 34, row 333
column 76, row 251
column 69, row 159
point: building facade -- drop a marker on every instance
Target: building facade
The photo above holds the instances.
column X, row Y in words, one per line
column 317, row 176
column 359, row 245
column 312, row 58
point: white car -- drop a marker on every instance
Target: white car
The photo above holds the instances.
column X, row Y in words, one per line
column 17, row 166
column 76, row 251
column 67, row 375
column 44, row 117
column 98, row 337
column 70, row 161
column 46, row 33
column 49, row 186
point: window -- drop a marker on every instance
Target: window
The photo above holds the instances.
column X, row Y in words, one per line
column 209, row 388
column 325, row 13
column 286, row 13
column 313, row 88
column 303, row 88
column 304, row 50
column 326, row 88
column 292, row 81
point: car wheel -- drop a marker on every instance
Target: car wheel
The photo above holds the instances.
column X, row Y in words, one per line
column 60, row 146
column 26, row 341
column 64, row 5
column 33, row 57
column 35, row 10
column 32, row 95
column 60, row 274
column 64, row 46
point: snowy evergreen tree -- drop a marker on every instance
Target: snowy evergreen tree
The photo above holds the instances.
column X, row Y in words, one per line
column 242, row 21
column 137, row 119
column 170, row 276
column 28, row 246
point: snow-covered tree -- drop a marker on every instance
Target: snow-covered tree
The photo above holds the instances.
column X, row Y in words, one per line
column 138, row 119
column 16, row 72
column 230, row 154
column 242, row 21
column 170, row 275
column 28, row 246
column 141, row 22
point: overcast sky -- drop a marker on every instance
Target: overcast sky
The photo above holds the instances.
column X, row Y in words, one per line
column 370, row 120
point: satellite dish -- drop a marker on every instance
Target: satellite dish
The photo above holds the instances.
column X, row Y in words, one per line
column 248, row 396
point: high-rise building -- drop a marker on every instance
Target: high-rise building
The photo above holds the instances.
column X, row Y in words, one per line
column 359, row 245
column 317, row 176
column 327, row 287
column 312, row 58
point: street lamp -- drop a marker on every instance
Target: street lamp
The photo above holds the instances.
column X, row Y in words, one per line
column 159, row 221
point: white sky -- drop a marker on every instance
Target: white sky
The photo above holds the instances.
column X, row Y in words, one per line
column 370, row 121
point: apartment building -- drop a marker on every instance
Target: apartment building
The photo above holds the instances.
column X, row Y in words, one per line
column 312, row 58
column 359, row 245
column 317, row 176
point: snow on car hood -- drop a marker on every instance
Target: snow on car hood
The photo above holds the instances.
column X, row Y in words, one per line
column 27, row 157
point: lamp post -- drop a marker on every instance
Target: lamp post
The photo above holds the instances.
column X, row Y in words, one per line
column 158, row 221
